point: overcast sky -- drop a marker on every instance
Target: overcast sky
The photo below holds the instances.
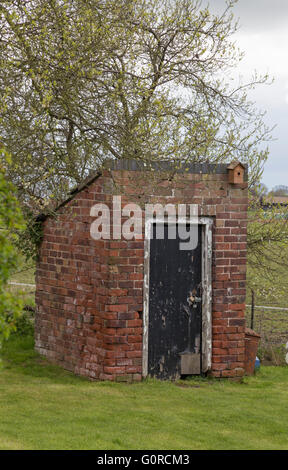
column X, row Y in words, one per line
column 263, row 36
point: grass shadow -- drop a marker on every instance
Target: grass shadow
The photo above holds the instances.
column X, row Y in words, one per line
column 18, row 353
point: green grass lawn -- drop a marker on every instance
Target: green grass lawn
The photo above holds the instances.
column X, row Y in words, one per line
column 44, row 407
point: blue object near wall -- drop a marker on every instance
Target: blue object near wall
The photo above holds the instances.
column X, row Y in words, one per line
column 257, row 363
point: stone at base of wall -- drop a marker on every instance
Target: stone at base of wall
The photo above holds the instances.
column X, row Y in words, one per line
column 238, row 372
column 234, row 374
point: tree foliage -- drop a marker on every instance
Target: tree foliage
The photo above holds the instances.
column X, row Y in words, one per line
column 83, row 81
column 267, row 246
column 11, row 221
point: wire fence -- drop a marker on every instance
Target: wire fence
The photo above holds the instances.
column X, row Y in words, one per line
column 271, row 322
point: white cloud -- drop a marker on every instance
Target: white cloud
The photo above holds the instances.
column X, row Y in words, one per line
column 263, row 37
column 286, row 97
column 266, row 53
column 256, row 15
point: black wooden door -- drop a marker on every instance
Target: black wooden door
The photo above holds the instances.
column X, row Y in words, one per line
column 174, row 334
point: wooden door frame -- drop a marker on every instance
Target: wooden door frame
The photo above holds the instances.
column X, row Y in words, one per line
column 206, row 257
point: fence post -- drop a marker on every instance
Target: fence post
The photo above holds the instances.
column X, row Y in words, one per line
column 252, row 309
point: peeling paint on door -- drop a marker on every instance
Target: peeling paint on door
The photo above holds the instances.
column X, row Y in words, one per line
column 174, row 320
column 203, row 343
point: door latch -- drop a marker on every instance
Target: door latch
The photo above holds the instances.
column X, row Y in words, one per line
column 193, row 300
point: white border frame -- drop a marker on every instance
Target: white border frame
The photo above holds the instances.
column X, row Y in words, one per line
column 206, row 352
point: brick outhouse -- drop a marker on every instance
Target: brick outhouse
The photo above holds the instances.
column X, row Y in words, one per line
column 113, row 304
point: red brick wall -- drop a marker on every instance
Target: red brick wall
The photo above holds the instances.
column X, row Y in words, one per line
column 90, row 293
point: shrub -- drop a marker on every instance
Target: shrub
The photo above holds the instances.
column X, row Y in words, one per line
column 11, row 225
